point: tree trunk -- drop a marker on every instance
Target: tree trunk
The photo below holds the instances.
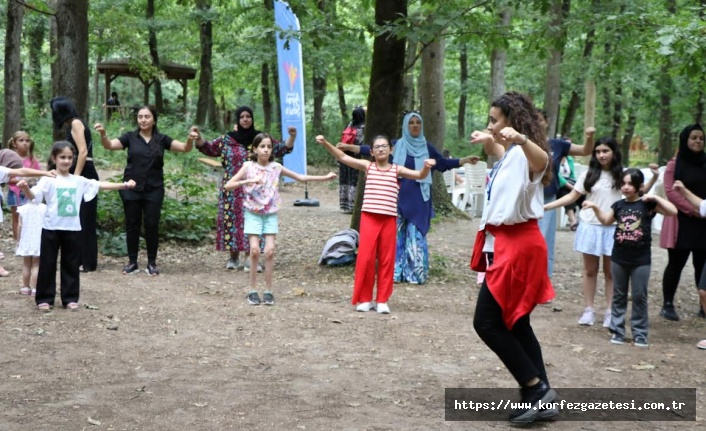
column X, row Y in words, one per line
column 408, row 93
column 13, row 70
column 278, row 101
column 630, row 128
column 154, row 53
column 36, row 33
column 575, row 100
column 341, row 94
column 664, row 83
column 552, row 87
column 319, row 76
column 386, row 83
column 266, row 96
column 434, row 112
column 72, row 53
column 498, row 59
column 463, row 99
column 617, row 110
column 205, row 106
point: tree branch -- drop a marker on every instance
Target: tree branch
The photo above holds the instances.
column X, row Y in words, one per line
column 34, row 8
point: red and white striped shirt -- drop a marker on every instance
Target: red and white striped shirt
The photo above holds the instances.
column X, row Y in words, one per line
column 381, row 190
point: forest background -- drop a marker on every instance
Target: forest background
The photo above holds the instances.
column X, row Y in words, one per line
column 645, row 58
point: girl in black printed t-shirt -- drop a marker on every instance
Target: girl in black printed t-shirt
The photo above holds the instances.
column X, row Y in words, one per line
column 631, row 256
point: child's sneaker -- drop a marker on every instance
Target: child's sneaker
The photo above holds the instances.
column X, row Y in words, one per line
column 233, row 263
column 588, row 317
column 268, row 298
column 253, row 298
column 382, row 308
column 246, row 266
column 640, row 341
column 617, row 339
column 25, row 291
column 363, row 307
column 131, row 268
column 152, row 269
column 606, row 319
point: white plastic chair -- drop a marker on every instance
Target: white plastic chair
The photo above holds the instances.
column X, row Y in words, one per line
column 456, row 191
column 475, row 187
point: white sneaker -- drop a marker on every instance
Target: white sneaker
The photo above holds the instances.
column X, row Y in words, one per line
column 363, row 306
column 588, row 317
column 606, row 319
column 382, row 308
column 233, row 263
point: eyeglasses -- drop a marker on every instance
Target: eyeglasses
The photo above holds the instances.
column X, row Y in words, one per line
column 379, row 147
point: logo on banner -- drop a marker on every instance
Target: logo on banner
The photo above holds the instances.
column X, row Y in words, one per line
column 292, row 99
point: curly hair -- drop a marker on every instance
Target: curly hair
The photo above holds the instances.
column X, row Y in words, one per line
column 524, row 117
column 595, row 169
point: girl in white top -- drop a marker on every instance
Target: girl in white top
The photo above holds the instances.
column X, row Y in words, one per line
column 31, row 216
column 260, row 179
column 601, row 185
column 516, row 277
column 61, row 226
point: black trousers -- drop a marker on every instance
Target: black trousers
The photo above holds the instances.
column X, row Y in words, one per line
column 143, row 208
column 89, row 225
column 517, row 348
column 675, row 265
column 69, row 242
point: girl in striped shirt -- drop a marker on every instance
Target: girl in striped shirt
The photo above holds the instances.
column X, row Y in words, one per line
column 378, row 221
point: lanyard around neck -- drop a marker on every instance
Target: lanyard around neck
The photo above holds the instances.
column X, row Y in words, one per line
column 494, row 172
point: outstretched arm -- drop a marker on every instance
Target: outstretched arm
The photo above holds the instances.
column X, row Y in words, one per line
column 564, row 201
column 605, row 217
column 29, row 172
column 417, row 175
column 108, row 144
column 688, row 194
column 237, row 180
column 106, row 185
column 295, row 176
column 342, row 157
column 490, row 147
column 185, row 147
column 664, row 207
column 654, row 167
column 588, row 143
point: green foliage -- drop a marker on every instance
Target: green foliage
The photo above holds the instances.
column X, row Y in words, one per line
column 188, row 213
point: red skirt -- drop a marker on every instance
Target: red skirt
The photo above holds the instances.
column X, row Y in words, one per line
column 518, row 278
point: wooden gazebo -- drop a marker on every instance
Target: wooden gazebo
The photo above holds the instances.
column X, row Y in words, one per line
column 121, row 67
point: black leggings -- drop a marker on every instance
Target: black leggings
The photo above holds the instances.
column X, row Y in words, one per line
column 672, row 273
column 518, row 347
column 142, row 208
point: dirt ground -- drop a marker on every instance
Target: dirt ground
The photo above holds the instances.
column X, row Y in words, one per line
column 183, row 351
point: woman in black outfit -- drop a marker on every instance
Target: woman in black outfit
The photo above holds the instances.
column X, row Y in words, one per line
column 145, row 162
column 65, row 117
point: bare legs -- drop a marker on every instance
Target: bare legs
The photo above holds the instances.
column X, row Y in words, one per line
column 590, row 279
column 255, row 258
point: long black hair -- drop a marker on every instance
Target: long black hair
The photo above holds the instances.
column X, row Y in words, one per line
column 62, row 110
column 595, row 169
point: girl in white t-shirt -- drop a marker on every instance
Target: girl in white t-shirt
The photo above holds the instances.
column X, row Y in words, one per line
column 601, row 185
column 61, row 227
column 30, row 238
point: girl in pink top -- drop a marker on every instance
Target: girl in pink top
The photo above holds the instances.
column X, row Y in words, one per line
column 23, row 145
column 378, row 221
column 260, row 181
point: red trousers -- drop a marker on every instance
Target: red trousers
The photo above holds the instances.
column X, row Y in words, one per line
column 378, row 235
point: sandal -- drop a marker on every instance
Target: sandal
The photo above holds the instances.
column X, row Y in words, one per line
column 574, row 227
column 4, row 272
column 25, row 291
column 72, row 306
column 701, row 345
column 44, row 307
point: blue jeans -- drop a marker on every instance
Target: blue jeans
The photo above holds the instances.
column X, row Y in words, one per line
column 548, row 227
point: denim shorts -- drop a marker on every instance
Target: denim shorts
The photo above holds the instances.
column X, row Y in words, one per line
column 15, row 200
column 260, row 224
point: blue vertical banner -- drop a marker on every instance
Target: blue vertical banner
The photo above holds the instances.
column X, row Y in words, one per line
column 291, row 85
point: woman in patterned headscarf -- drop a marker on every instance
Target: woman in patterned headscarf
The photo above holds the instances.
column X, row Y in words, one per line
column 232, row 149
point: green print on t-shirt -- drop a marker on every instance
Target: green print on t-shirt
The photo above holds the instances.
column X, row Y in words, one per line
column 67, row 202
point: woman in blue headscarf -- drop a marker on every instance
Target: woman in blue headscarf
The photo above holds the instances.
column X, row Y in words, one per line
column 414, row 206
